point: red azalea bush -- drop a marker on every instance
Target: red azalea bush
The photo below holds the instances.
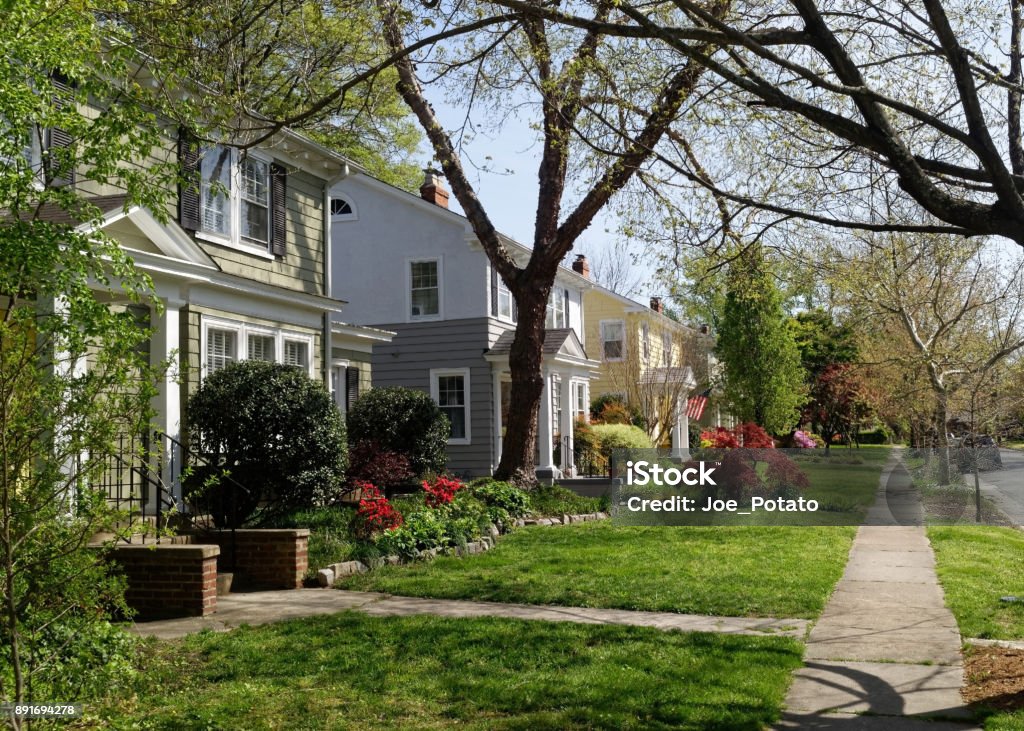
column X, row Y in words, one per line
column 375, row 513
column 442, row 491
column 718, row 438
column 749, row 436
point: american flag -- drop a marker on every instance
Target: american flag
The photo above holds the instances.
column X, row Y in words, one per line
column 695, row 405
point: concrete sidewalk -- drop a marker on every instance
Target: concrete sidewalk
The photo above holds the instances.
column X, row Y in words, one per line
column 886, row 645
column 263, row 607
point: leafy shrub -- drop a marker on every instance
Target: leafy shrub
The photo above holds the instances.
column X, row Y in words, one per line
column 369, row 462
column 375, row 513
column 802, row 440
column 752, row 436
column 620, row 436
column 879, row 435
column 275, row 432
column 514, row 501
column 405, row 421
column 611, row 408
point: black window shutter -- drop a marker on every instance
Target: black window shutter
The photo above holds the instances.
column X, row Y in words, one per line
column 60, row 170
column 351, row 386
column 188, row 186
column 278, row 207
column 494, row 292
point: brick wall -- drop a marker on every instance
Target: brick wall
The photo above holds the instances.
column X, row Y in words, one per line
column 263, row 558
column 169, row 580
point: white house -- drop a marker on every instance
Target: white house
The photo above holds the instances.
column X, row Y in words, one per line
column 409, row 265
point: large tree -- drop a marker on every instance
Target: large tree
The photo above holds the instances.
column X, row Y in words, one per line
column 764, row 381
column 958, row 310
column 856, row 101
column 573, row 83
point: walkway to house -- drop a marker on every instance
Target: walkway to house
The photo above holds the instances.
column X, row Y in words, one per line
column 886, row 645
column 262, row 607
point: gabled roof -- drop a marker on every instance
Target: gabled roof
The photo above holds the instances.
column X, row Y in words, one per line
column 557, row 341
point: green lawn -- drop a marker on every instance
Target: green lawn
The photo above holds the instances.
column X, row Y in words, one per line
column 351, row 671
column 776, row 571
column 977, row 566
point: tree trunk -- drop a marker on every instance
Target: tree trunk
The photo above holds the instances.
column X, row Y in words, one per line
column 941, row 417
column 525, row 360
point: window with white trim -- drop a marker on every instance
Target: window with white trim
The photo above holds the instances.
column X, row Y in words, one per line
column 342, row 209
column 221, row 348
column 296, row 353
column 261, row 346
column 424, row 289
column 666, row 348
column 613, row 339
column 506, row 304
column 556, row 405
column 581, row 409
column 558, row 309
column 450, row 389
column 645, row 340
column 234, row 197
column 225, row 341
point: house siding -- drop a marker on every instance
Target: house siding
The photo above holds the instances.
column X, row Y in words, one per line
column 419, row 347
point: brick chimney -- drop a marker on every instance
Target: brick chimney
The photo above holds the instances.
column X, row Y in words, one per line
column 581, row 266
column 705, row 329
column 433, row 190
column 657, row 306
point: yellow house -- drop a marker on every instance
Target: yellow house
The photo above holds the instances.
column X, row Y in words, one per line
column 653, row 361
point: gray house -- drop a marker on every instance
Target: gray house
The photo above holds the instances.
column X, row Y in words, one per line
column 409, row 265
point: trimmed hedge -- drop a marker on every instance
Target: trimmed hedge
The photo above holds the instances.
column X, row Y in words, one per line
column 405, row 421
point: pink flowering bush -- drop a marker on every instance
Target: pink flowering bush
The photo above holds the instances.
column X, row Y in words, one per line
column 803, row 441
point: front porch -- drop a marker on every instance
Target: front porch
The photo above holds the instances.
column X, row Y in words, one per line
column 567, row 373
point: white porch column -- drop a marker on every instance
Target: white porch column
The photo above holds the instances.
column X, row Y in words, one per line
column 165, row 352
column 497, row 419
column 68, row 367
column 565, row 426
column 681, row 432
column 546, row 462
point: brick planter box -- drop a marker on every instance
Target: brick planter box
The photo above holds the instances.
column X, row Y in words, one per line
column 169, row 580
column 271, row 558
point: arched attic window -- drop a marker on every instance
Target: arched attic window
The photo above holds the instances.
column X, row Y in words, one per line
column 343, row 209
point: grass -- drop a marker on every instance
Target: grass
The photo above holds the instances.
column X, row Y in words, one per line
column 357, row 672
column 977, row 566
column 745, row 571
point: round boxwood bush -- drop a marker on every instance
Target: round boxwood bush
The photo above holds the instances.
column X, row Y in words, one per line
column 402, row 420
column 276, row 433
column 620, row 436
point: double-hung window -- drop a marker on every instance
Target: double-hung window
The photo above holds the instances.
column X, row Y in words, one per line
column 221, row 348
column 235, row 199
column 450, row 389
column 424, row 289
column 613, row 340
column 666, row 348
column 506, row 306
column 558, row 309
column 645, row 341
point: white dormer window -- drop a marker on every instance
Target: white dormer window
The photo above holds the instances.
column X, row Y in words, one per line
column 234, row 198
column 558, row 309
column 425, row 289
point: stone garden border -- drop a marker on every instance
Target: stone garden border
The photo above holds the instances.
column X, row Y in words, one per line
column 327, row 576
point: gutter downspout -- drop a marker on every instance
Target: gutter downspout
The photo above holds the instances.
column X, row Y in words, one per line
column 326, row 354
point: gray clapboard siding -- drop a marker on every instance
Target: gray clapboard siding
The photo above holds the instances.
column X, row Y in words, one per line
column 419, row 347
